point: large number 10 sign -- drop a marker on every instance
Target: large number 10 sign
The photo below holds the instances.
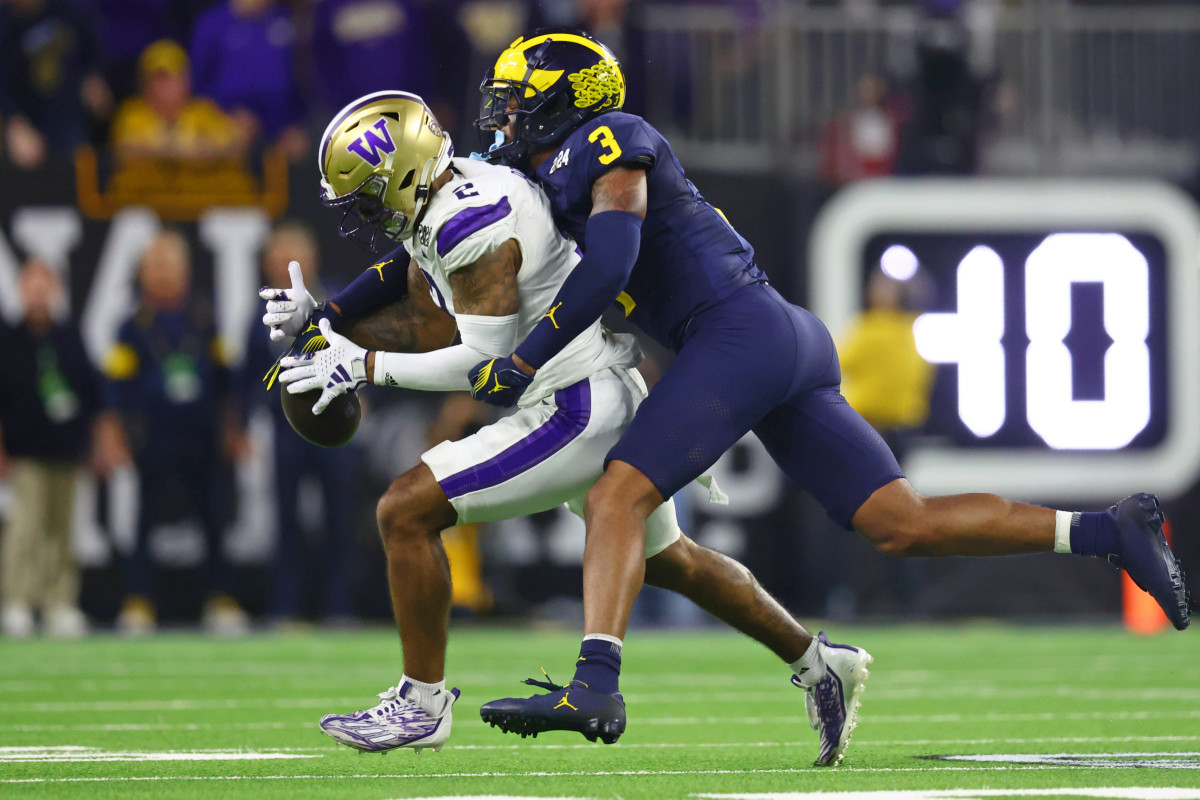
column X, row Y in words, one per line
column 1011, row 320
column 971, row 338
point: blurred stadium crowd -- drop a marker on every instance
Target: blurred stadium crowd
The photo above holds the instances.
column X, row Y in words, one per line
column 184, row 104
column 206, row 80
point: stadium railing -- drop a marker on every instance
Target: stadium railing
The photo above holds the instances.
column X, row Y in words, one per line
column 1078, row 89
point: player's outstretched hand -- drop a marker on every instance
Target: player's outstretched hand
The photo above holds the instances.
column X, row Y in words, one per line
column 339, row 368
column 288, row 309
column 498, row 382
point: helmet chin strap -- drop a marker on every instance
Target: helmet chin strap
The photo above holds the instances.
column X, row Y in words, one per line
column 386, row 169
column 425, row 182
column 386, row 173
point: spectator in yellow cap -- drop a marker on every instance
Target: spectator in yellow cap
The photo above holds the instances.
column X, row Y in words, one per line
column 166, row 121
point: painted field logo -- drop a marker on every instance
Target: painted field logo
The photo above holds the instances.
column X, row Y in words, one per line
column 1093, row 760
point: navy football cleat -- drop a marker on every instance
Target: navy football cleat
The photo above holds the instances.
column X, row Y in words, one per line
column 573, row 707
column 832, row 704
column 1147, row 557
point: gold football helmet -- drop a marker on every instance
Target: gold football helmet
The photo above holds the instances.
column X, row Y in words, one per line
column 378, row 158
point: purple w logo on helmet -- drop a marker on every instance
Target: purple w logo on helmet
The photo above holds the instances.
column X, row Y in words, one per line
column 375, row 142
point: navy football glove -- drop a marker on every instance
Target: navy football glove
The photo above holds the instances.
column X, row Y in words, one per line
column 498, row 382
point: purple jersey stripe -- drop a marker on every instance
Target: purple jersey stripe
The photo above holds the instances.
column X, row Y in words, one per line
column 468, row 221
column 441, row 301
column 574, row 410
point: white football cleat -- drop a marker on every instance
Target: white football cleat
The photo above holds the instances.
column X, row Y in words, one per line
column 400, row 720
column 832, row 703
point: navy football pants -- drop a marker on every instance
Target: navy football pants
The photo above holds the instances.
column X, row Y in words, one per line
column 758, row 363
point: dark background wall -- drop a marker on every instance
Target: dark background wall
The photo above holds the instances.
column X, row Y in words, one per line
column 798, row 554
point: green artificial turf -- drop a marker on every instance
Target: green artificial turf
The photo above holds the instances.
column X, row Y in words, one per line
column 709, row 714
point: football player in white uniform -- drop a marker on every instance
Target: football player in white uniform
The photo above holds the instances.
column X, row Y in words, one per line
column 479, row 254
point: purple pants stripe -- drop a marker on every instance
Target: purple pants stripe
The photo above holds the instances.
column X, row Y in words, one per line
column 568, row 421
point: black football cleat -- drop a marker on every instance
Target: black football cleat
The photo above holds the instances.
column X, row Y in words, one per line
column 573, row 707
column 1147, row 557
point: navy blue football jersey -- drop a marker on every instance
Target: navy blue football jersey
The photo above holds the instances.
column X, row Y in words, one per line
column 690, row 258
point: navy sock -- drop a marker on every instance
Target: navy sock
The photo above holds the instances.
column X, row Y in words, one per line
column 1094, row 533
column 599, row 665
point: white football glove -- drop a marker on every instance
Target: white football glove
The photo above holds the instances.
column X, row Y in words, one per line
column 288, row 309
column 339, row 368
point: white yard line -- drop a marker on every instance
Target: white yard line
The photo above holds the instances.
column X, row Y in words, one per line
column 805, row 739
column 1118, row 793
column 74, row 754
column 857, row 743
column 357, row 701
column 1178, row 665
column 783, row 692
column 874, row 719
column 490, row 775
column 910, row 719
column 156, row 726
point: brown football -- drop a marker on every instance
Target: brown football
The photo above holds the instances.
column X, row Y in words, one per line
column 333, row 427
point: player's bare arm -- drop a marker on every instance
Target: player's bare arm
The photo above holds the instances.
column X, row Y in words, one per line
column 412, row 324
column 620, row 189
column 488, row 288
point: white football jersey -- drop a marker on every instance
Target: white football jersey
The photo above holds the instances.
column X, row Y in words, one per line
column 483, row 206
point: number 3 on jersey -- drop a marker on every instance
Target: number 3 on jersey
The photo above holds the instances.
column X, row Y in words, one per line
column 609, row 142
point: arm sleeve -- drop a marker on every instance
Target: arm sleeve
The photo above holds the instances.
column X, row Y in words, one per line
column 380, row 284
column 442, row 370
column 614, row 238
column 445, row 370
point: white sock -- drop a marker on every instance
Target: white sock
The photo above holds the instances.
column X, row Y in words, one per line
column 1062, row 530
column 424, row 694
column 810, row 667
column 604, row 637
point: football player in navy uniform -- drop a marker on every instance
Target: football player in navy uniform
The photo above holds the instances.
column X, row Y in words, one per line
column 478, row 256
column 747, row 360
